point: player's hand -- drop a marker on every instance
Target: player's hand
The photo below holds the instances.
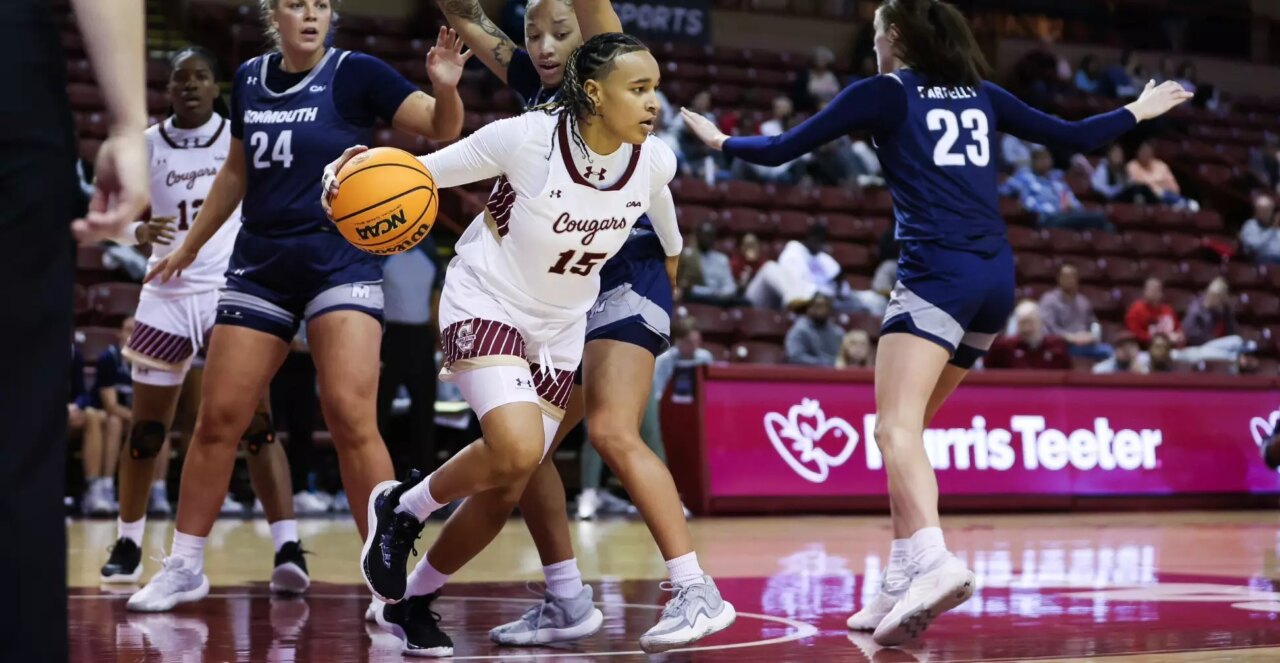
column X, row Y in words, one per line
column 171, row 265
column 329, row 180
column 159, row 230
column 1156, row 100
column 446, row 59
column 704, row 129
column 119, row 190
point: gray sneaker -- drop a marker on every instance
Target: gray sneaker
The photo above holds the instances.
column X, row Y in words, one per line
column 174, row 584
column 552, row 620
column 694, row 612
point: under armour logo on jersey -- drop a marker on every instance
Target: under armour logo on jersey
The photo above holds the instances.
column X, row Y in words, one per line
column 599, row 175
column 555, row 193
column 317, row 88
column 237, row 272
column 522, row 383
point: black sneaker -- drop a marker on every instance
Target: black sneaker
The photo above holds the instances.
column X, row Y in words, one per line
column 390, row 539
column 418, row 627
column 124, row 566
column 290, row 575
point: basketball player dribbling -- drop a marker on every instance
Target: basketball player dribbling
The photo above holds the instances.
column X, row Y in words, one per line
column 174, row 317
column 292, row 110
column 627, row 328
column 933, row 117
column 514, row 315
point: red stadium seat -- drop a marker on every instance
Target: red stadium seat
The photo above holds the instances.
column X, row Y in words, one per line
column 796, row 198
column 745, row 194
column 791, row 225
column 1243, row 276
column 1024, row 239
column 864, row 321
column 717, row 350
column 848, row 228
column 1035, row 267
column 685, row 71
column 742, row 220
column 1208, row 221
column 80, row 302
column 694, row 190
column 714, row 322
column 837, row 199
column 1170, row 272
column 731, row 74
column 84, row 97
column 1200, row 273
column 1179, row 299
column 1104, row 305
column 1145, row 244
column 753, row 352
column 851, row 257
column 1123, row 271
column 756, row 324
column 1066, row 241
column 689, row 216
column 1106, row 244
column 112, row 302
column 1182, row 245
column 877, row 202
column 1264, row 305
column 1126, row 216
column 1089, row 269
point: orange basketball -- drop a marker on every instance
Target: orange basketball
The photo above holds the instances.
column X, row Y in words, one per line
column 386, row 201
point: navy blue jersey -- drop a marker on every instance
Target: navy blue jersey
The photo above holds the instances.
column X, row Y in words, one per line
column 113, row 371
column 289, row 136
column 937, row 147
column 522, row 78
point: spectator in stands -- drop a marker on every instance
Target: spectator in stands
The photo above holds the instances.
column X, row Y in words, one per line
column 817, row 85
column 1146, row 169
column 855, row 351
column 1160, row 354
column 1264, row 161
column 1110, row 179
column 699, row 160
column 836, row 164
column 1128, row 357
column 886, row 274
column 706, row 276
column 814, row 339
column 1089, row 76
column 1015, row 153
column 1118, row 80
column 1211, row 315
column 1246, row 364
column 1067, row 313
column 87, row 422
column 802, row 270
column 1044, row 191
column 1206, row 94
column 1260, row 236
column 746, row 261
column 1150, row 315
column 1030, row 346
column 112, row 394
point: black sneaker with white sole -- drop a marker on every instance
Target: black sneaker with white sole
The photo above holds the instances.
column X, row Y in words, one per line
column 290, row 573
column 390, row 539
column 417, row 625
column 125, row 563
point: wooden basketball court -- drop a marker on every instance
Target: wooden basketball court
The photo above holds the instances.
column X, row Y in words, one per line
column 1192, row 586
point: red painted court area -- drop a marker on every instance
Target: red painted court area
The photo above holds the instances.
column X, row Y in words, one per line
column 786, row 617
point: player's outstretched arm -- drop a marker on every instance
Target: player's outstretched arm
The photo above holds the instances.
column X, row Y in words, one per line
column 596, row 17
column 480, row 34
column 225, row 195
column 1016, row 117
column 113, row 33
column 439, row 117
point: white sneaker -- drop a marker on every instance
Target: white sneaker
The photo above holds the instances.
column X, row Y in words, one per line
column 257, row 507
column 230, row 507
column 371, row 612
column 609, row 505
column 174, row 584
column 338, row 503
column 930, row 594
column 308, row 503
column 588, row 504
column 694, row 612
column 871, row 614
column 158, row 502
column 553, row 620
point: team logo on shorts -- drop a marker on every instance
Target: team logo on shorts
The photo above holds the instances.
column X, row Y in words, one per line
column 466, row 338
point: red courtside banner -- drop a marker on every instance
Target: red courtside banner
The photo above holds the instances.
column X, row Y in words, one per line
column 792, row 437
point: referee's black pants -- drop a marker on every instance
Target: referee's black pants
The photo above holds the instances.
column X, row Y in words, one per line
column 409, row 359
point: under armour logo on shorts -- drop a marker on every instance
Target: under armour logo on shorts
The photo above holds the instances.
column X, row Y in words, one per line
column 522, row 383
column 555, row 193
column 599, row 175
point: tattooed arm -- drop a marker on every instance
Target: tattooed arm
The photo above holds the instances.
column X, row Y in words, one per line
column 596, row 17
column 490, row 43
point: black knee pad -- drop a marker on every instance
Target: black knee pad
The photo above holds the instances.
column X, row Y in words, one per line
column 146, row 439
column 262, row 430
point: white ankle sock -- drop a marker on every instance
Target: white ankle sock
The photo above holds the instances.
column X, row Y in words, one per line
column 424, row 579
column 190, row 549
column 132, row 531
column 895, row 577
column 564, row 580
column 159, row 485
column 684, row 570
column 928, row 549
column 418, row 501
column 282, row 532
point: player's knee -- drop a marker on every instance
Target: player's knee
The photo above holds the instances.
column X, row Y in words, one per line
column 515, row 462
column 892, row 436
column 146, row 439
column 614, row 440
column 342, row 416
column 261, row 432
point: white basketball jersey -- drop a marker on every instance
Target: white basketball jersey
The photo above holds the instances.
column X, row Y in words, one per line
column 543, row 253
column 184, row 163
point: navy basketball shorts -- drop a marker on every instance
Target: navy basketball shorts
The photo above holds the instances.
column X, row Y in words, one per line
column 960, row 299
column 635, row 302
column 276, row 283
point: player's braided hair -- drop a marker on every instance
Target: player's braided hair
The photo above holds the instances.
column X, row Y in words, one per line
column 219, row 104
column 593, row 60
